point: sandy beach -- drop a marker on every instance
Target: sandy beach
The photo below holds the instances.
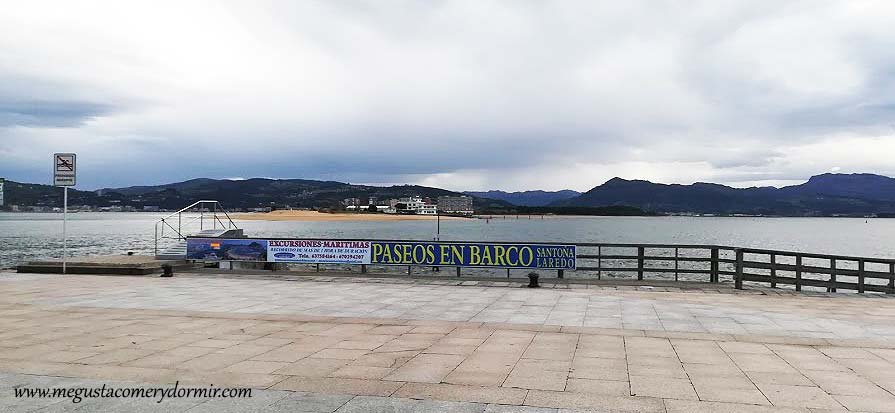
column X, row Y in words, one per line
column 320, row 216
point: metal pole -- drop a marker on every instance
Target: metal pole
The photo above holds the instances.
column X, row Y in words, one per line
column 437, row 232
column 64, row 228
column 860, row 276
column 676, row 265
column 713, row 266
column 640, row 262
column 832, row 287
column 773, row 270
column 891, row 278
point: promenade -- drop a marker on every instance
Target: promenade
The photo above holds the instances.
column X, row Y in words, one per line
column 336, row 344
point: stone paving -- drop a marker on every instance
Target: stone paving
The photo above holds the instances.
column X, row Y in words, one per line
column 328, row 344
column 831, row 316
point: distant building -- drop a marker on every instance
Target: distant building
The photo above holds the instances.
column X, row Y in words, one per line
column 411, row 205
column 351, row 202
column 361, row 207
column 408, row 205
column 455, row 204
column 427, row 209
column 151, row 208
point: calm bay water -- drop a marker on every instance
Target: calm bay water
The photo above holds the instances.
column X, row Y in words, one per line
column 25, row 236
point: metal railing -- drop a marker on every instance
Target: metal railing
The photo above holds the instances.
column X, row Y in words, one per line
column 710, row 263
column 716, row 264
column 752, row 265
column 799, row 269
column 206, row 209
column 640, row 259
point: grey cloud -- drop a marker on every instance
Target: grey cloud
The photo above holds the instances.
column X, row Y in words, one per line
column 47, row 113
column 375, row 91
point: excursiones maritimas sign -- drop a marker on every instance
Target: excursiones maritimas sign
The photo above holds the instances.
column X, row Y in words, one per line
column 421, row 253
column 318, row 251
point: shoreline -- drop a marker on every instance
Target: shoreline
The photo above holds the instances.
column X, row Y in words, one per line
column 314, row 216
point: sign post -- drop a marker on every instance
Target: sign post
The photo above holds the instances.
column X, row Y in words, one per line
column 64, row 176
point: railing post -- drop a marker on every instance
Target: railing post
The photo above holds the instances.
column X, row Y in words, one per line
column 640, row 253
column 773, row 270
column 798, row 273
column 714, row 265
column 738, row 281
column 891, row 279
column 458, row 271
column 831, row 288
column 599, row 262
column 363, row 268
column 861, row 276
column 676, row 265
column 318, row 267
column 408, row 270
column 508, row 273
column 559, row 273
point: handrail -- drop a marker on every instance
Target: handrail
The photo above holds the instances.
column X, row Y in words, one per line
column 191, row 206
column 735, row 264
column 179, row 231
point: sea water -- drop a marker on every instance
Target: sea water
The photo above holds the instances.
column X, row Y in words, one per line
column 28, row 236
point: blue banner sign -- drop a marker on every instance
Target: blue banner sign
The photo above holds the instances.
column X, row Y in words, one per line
column 421, row 253
column 225, row 249
column 541, row 256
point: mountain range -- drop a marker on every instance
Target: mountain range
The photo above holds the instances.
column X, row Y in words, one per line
column 527, row 198
column 821, row 195
column 237, row 194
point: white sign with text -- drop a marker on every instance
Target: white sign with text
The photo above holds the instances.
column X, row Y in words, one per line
column 318, row 251
column 64, row 169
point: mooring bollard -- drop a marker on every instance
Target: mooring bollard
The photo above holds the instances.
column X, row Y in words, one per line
column 533, row 280
column 167, row 270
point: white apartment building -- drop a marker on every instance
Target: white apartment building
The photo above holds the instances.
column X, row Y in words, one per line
column 412, row 205
column 427, row 209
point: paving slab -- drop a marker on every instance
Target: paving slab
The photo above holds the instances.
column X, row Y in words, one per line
column 713, row 314
column 570, row 400
column 325, row 346
column 453, row 392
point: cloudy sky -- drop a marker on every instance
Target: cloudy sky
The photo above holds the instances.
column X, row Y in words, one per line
column 466, row 95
